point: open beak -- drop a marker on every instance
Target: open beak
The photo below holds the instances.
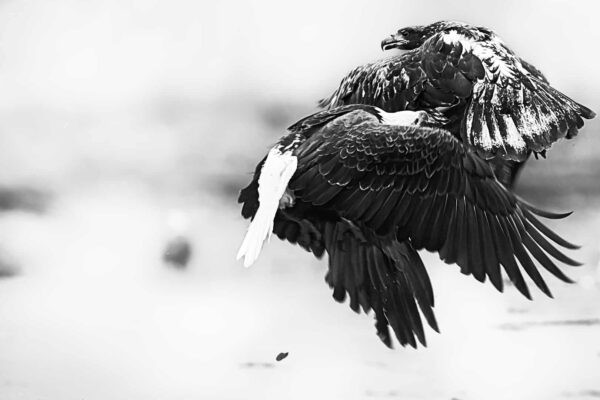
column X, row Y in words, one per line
column 393, row 42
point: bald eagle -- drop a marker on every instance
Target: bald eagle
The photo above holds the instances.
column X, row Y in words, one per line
column 495, row 102
column 370, row 188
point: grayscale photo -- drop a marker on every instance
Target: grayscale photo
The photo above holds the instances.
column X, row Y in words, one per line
column 299, row 200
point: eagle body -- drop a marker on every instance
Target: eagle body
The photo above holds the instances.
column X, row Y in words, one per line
column 495, row 102
column 369, row 188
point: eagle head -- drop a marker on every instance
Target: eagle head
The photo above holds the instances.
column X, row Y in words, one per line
column 413, row 37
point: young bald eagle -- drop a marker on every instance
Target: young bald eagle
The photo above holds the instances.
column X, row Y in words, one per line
column 496, row 102
column 370, row 188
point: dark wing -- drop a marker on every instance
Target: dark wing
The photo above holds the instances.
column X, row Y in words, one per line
column 506, row 171
column 505, row 105
column 423, row 184
column 391, row 282
column 511, row 109
column 392, row 84
column 406, row 82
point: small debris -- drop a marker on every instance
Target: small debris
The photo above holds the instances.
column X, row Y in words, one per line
column 281, row 356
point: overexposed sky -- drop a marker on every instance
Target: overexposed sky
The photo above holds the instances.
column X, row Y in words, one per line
column 110, row 53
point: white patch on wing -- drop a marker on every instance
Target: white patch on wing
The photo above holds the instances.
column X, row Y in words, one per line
column 497, row 140
column 454, row 37
column 469, row 120
column 485, row 140
column 499, row 63
column 276, row 172
column 537, row 124
column 332, row 101
column 500, row 60
column 497, row 58
column 403, row 118
column 513, row 137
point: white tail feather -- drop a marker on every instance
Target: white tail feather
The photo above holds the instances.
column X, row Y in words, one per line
column 260, row 228
column 272, row 183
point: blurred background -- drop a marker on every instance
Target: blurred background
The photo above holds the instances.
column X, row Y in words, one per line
column 127, row 128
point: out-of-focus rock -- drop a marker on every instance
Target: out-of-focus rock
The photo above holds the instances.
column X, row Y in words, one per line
column 178, row 249
column 23, row 198
column 178, row 252
column 7, row 269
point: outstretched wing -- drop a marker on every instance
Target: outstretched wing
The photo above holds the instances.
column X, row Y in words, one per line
column 400, row 83
column 388, row 278
column 422, row 184
column 506, row 105
column 511, row 109
column 391, row 282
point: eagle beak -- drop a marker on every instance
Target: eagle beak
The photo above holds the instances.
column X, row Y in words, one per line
column 396, row 41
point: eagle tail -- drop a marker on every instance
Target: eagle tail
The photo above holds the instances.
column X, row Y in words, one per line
column 275, row 174
column 260, row 229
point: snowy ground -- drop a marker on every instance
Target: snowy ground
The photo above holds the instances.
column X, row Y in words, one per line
column 95, row 315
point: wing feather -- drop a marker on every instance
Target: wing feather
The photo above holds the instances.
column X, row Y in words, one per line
column 443, row 198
